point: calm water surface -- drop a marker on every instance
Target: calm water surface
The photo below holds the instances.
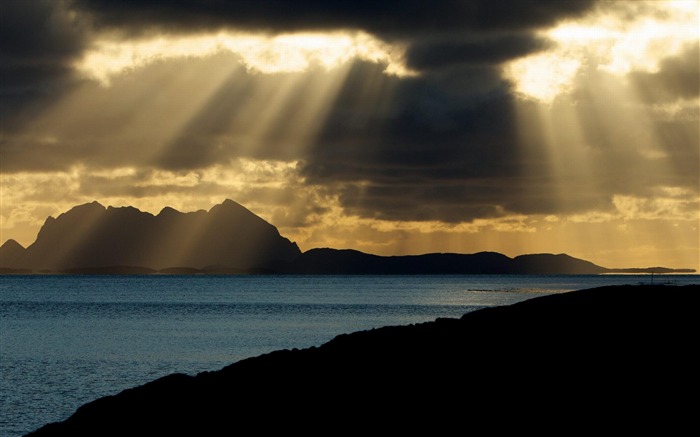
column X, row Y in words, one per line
column 67, row 340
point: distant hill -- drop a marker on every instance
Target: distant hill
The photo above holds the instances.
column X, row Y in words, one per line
column 331, row 261
column 11, row 257
column 91, row 237
column 229, row 239
column 11, row 252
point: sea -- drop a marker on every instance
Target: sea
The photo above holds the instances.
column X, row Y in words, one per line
column 67, row 340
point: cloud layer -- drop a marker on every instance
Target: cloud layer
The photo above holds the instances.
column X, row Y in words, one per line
column 388, row 18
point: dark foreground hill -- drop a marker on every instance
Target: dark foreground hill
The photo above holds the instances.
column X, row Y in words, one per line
column 610, row 360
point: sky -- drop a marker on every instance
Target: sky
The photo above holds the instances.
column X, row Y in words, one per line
column 388, row 126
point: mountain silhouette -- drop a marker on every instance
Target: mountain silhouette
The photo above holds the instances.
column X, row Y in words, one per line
column 228, row 238
column 11, row 255
column 91, row 236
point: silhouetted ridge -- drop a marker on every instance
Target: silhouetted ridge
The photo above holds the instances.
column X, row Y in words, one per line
column 12, row 246
column 230, row 239
column 603, row 358
column 91, row 237
column 11, row 257
column 168, row 211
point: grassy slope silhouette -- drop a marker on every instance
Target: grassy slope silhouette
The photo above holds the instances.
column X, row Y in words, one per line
column 615, row 358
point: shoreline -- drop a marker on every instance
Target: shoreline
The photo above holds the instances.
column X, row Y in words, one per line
column 634, row 344
column 195, row 272
column 187, row 271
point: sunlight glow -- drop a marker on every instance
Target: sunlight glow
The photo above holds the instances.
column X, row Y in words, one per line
column 609, row 41
column 285, row 53
column 671, row 207
column 543, row 76
column 582, row 119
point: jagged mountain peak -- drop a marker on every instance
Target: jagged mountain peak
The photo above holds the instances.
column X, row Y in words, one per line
column 94, row 236
column 168, row 211
column 80, row 210
column 12, row 245
column 12, row 254
column 229, row 206
column 90, row 206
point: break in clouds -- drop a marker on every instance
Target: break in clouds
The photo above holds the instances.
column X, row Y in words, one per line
column 453, row 141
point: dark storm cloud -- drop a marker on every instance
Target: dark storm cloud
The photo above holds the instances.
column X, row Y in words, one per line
column 429, row 54
column 433, row 153
column 38, row 30
column 678, row 77
column 427, row 131
column 394, row 18
column 38, row 41
column 446, row 203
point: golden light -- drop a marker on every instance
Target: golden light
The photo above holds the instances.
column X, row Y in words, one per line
column 285, row 53
column 543, row 76
column 609, row 41
column 592, row 57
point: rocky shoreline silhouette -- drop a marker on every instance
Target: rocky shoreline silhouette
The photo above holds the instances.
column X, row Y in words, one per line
column 616, row 358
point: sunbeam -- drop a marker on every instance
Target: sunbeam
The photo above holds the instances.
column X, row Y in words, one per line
column 586, row 119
